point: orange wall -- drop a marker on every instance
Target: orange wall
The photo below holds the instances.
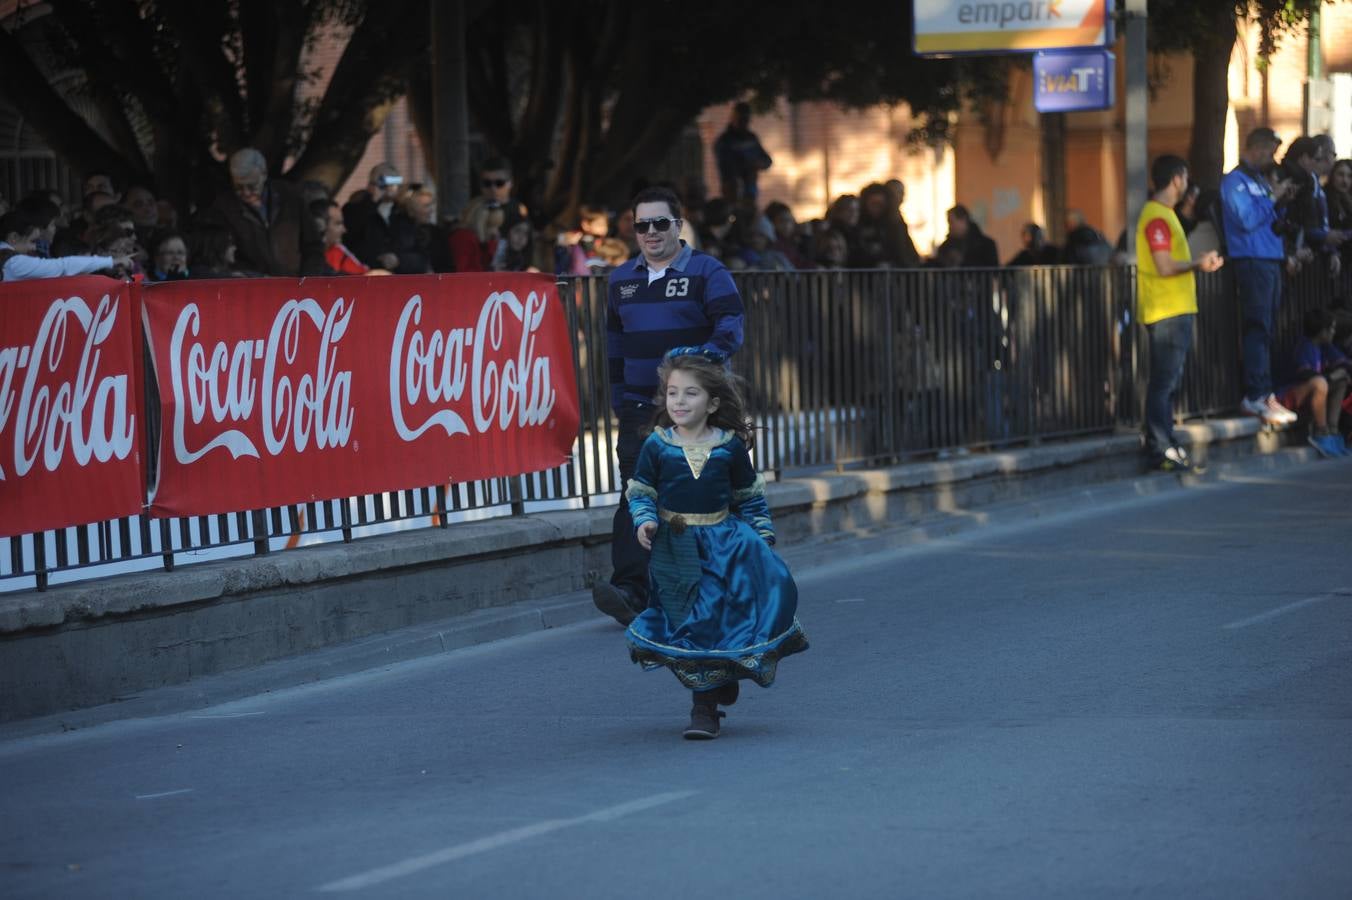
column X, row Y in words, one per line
column 992, row 172
column 821, row 151
column 990, row 183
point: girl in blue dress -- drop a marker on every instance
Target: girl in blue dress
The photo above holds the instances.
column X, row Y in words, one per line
column 721, row 602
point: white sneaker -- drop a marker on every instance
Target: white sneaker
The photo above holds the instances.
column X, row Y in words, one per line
column 1280, row 413
column 1256, row 408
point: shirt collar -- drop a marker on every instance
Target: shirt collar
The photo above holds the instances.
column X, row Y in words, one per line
column 1255, row 176
column 678, row 262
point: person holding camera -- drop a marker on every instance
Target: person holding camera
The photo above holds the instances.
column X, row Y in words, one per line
column 1249, row 211
column 379, row 231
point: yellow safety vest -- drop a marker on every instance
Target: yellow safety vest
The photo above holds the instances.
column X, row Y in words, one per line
column 1158, row 297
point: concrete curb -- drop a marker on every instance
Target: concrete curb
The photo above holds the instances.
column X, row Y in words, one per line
column 192, row 584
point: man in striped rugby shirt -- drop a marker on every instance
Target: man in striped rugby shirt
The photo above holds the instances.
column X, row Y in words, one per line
column 668, row 296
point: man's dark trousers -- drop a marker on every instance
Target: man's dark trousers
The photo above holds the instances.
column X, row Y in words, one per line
column 1170, row 341
column 628, row 557
column 1259, row 282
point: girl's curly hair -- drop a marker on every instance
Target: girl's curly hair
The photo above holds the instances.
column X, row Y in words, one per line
column 720, row 383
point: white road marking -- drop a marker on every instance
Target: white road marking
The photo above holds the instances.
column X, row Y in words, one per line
column 494, row 841
column 164, row 794
column 1283, row 610
column 229, row 715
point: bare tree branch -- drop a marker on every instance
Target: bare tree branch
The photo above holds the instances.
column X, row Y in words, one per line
column 537, row 121
column 115, row 48
column 487, row 88
column 60, row 126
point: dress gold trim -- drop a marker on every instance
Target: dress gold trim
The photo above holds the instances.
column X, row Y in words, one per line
column 696, row 457
column 696, row 452
column 712, row 518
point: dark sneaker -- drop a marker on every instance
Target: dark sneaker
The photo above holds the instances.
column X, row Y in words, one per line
column 1173, row 460
column 703, row 722
column 614, row 602
column 1194, row 465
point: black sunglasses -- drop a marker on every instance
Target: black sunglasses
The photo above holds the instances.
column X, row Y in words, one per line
column 662, row 224
column 495, row 182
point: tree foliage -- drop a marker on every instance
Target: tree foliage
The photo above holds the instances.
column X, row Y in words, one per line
column 161, row 90
column 585, row 96
column 1207, row 29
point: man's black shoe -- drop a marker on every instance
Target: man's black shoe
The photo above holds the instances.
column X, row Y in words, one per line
column 614, row 602
column 1175, row 459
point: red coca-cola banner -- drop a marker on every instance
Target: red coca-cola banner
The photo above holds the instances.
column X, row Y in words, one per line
column 275, row 391
column 69, row 404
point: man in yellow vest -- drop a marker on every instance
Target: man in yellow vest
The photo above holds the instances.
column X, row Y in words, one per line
column 1166, row 300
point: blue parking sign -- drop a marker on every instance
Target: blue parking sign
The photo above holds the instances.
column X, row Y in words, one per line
column 1073, row 80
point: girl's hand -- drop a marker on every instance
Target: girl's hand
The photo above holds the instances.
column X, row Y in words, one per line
column 645, row 534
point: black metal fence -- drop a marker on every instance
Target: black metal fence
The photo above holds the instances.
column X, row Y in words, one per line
column 844, row 368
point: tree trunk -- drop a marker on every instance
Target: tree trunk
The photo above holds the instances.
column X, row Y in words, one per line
column 202, row 59
column 1211, row 100
column 370, row 78
column 274, row 36
column 1054, row 176
column 421, row 113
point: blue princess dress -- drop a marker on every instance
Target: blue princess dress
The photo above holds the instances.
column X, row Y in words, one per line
column 721, row 602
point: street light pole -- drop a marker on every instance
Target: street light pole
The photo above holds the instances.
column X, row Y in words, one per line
column 1137, row 114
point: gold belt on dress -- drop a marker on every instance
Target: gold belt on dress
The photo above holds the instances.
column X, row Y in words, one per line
column 712, row 518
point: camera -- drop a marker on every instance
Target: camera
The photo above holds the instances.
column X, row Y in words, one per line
column 391, row 180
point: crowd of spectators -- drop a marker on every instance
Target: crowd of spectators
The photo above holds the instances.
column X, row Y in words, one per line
column 1269, row 217
column 269, row 226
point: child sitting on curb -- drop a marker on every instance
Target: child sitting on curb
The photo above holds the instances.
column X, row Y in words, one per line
column 1319, row 383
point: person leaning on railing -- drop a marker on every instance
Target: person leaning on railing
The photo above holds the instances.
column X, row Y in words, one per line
column 1167, row 306
column 1249, row 212
column 18, row 237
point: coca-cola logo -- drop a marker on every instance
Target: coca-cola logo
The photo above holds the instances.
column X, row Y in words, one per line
column 430, row 371
column 299, row 397
column 56, row 412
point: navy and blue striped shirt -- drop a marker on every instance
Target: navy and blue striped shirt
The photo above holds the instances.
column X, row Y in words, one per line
column 693, row 304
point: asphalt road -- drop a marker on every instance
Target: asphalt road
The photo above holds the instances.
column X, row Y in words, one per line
column 1151, row 699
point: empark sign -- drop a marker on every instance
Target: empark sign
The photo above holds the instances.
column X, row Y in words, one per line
column 951, row 27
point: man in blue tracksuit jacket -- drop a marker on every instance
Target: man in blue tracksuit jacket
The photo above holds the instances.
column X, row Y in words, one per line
column 1249, row 211
column 666, row 297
